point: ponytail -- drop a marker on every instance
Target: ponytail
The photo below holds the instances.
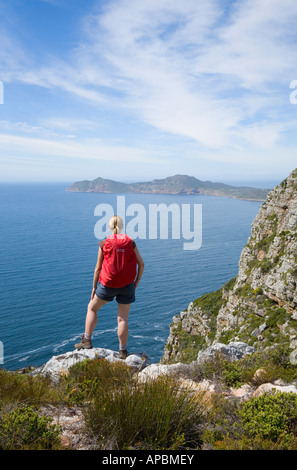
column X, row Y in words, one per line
column 116, row 224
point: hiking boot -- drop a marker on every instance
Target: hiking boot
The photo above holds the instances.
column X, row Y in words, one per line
column 84, row 344
column 123, row 354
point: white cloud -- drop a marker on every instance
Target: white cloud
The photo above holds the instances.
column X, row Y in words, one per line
column 255, row 46
column 91, row 149
column 186, row 69
column 63, row 77
column 20, row 126
column 67, row 124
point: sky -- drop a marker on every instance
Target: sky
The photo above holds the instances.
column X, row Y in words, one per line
column 133, row 90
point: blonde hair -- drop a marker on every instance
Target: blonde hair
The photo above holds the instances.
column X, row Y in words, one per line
column 116, row 224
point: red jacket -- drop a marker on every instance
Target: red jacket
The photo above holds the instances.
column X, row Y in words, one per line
column 119, row 265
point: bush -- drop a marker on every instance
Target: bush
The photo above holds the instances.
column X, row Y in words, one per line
column 25, row 389
column 89, row 378
column 157, row 414
column 275, row 362
column 219, row 369
column 267, row 422
column 24, row 429
column 270, row 416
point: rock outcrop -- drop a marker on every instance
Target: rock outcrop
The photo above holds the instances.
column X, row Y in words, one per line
column 59, row 365
column 233, row 351
column 259, row 306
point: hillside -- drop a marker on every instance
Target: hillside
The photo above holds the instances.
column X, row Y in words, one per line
column 259, row 306
column 178, row 184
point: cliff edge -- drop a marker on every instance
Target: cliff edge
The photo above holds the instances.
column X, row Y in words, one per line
column 259, row 306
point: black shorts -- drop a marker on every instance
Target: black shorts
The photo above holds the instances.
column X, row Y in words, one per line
column 123, row 295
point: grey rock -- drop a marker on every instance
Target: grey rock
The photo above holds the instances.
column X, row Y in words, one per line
column 293, row 357
column 271, row 388
column 234, row 350
column 59, row 365
column 258, row 331
column 155, row 370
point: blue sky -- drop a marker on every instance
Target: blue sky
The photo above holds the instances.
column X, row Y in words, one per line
column 139, row 89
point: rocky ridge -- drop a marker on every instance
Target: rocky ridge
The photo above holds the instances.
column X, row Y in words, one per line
column 59, row 365
column 259, row 306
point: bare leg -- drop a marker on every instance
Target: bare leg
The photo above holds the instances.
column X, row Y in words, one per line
column 91, row 318
column 123, row 312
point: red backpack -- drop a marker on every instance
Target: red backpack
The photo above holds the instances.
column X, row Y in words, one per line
column 119, row 265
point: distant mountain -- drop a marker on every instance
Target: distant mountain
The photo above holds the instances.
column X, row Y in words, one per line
column 178, row 184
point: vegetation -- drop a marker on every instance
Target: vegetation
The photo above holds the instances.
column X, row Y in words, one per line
column 23, row 389
column 274, row 363
column 254, row 310
column 156, row 414
column 188, row 343
column 24, row 429
column 88, row 379
column 122, row 412
column 267, row 422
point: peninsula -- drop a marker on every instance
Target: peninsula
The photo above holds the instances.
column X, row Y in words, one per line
column 177, row 184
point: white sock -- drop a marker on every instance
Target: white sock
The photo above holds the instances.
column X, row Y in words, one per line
column 123, row 347
column 87, row 336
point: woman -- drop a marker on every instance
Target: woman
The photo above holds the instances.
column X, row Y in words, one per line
column 119, row 269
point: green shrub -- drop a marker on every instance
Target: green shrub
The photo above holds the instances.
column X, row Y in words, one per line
column 26, row 389
column 219, row 369
column 210, row 304
column 157, row 414
column 222, row 419
column 89, row 378
column 275, row 362
column 270, row 416
column 256, row 443
column 24, row 429
column 267, row 422
column 108, row 372
column 232, row 374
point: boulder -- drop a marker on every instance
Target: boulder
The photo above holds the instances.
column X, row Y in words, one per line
column 155, row 370
column 242, row 393
column 272, row 388
column 233, row 351
column 59, row 365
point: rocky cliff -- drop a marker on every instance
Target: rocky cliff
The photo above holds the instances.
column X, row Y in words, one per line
column 259, row 306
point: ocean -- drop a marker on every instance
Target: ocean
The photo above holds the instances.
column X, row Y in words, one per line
column 49, row 251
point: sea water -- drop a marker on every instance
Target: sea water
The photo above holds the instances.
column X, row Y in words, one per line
column 49, row 251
